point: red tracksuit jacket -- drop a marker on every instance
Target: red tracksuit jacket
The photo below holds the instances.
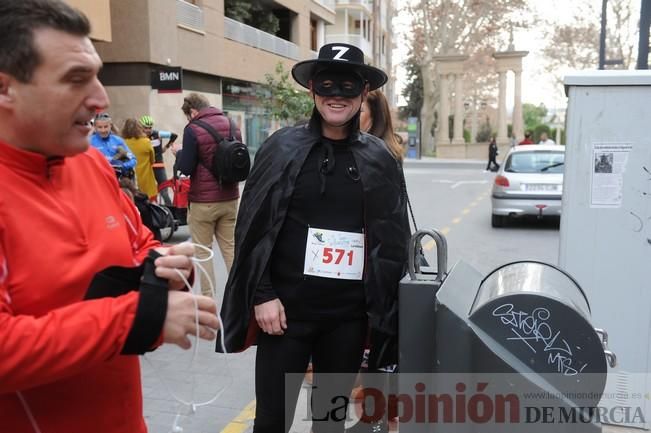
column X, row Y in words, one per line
column 61, row 222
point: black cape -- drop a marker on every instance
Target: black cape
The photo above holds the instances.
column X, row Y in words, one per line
column 261, row 214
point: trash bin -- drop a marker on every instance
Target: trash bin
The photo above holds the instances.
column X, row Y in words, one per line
column 541, row 316
column 525, row 328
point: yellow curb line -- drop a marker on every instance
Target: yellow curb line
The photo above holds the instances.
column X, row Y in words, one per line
column 240, row 423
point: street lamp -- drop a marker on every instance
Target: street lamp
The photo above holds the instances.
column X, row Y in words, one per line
column 602, row 39
column 643, row 45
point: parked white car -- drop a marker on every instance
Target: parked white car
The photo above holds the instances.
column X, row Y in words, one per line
column 529, row 182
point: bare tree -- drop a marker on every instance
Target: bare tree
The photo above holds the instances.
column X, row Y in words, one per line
column 480, row 85
column 575, row 45
column 452, row 27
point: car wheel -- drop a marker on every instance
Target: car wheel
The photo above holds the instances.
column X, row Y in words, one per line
column 498, row 220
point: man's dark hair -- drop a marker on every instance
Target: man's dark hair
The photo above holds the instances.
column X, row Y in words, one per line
column 18, row 20
column 196, row 101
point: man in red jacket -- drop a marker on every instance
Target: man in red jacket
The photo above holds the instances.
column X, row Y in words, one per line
column 83, row 285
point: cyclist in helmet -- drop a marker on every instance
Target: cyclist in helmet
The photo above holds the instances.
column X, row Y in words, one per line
column 157, row 137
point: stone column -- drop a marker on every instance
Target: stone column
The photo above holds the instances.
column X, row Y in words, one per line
column 458, row 110
column 443, row 136
column 474, row 122
column 509, row 61
column 502, row 138
column 449, row 65
column 518, row 132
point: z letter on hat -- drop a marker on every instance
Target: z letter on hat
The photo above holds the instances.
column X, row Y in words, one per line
column 339, row 56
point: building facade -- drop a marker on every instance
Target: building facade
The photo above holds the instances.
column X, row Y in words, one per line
column 366, row 24
column 161, row 50
column 99, row 13
column 157, row 51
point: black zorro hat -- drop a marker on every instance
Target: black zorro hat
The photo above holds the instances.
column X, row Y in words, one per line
column 339, row 56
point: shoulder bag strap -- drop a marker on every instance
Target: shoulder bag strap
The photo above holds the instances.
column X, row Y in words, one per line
column 404, row 191
column 231, row 128
column 212, row 131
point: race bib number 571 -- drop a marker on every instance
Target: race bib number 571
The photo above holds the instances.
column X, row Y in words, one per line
column 334, row 254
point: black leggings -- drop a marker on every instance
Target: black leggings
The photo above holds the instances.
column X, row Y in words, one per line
column 335, row 347
column 492, row 161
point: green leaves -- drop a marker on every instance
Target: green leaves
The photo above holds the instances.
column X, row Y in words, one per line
column 254, row 13
column 282, row 99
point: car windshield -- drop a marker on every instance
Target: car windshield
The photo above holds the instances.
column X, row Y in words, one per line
column 541, row 161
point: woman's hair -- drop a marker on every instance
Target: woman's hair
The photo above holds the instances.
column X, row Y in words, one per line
column 382, row 125
column 132, row 129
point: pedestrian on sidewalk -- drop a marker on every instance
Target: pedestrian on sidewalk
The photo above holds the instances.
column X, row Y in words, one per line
column 140, row 145
column 527, row 138
column 156, row 136
column 213, row 204
column 544, row 139
column 112, row 146
column 79, row 297
column 321, row 243
column 492, row 155
column 375, row 119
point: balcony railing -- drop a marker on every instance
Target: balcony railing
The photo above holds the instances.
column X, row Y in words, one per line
column 334, row 3
column 189, row 15
column 253, row 37
column 353, row 39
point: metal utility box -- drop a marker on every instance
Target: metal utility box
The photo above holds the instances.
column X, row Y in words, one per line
column 605, row 235
column 525, row 328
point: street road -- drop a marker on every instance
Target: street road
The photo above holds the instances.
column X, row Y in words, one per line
column 453, row 200
column 456, row 201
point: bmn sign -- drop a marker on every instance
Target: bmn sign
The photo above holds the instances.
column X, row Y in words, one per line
column 167, row 79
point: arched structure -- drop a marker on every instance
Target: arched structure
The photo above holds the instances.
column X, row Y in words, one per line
column 450, row 67
column 509, row 61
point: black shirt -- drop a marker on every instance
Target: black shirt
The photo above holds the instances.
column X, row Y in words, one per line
column 328, row 195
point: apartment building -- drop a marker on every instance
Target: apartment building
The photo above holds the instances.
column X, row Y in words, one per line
column 160, row 50
column 98, row 12
column 366, row 24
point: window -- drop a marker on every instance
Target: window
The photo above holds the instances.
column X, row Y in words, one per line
column 313, row 35
column 535, row 162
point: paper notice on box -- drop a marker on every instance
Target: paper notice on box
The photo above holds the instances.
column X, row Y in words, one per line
column 608, row 169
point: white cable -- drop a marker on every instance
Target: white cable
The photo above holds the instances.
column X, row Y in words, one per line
column 28, row 411
column 192, row 405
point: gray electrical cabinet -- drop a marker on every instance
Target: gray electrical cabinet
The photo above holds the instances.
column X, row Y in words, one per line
column 605, row 234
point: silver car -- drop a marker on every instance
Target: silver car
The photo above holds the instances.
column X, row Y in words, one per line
column 529, row 182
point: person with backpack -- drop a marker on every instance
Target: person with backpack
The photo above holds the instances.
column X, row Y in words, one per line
column 213, row 202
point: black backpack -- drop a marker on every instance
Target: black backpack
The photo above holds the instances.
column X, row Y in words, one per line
column 231, row 161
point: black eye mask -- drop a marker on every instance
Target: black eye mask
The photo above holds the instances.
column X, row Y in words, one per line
column 346, row 85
